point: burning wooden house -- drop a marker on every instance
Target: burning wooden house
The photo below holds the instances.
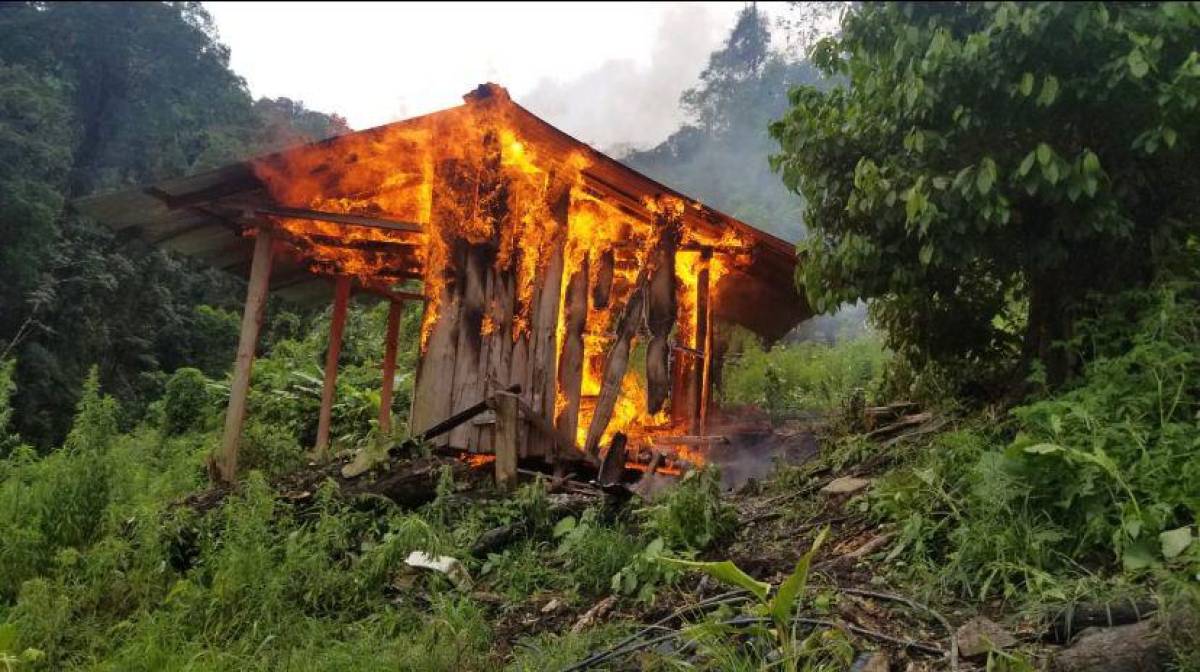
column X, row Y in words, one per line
column 541, row 263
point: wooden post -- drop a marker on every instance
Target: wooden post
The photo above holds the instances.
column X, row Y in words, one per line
column 389, row 369
column 660, row 318
column 337, row 323
column 506, row 440
column 699, row 397
column 239, row 388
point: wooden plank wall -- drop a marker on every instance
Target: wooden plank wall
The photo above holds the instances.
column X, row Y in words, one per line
column 472, row 352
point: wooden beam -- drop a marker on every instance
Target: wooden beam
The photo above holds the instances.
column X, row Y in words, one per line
column 570, row 363
column 506, row 440
column 615, row 363
column 389, row 368
column 239, row 387
column 339, row 218
column 661, row 311
column 337, row 323
column 698, row 414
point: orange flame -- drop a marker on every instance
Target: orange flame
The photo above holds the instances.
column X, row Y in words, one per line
column 469, row 174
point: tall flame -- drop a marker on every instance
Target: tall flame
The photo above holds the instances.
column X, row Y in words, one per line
column 394, row 173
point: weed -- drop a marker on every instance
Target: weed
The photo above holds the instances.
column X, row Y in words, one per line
column 692, row 515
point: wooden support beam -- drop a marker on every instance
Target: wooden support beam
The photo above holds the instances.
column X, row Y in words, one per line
column 339, row 218
column 505, row 443
column 661, row 313
column 689, row 440
column 341, row 296
column 389, row 369
column 698, row 414
column 239, row 387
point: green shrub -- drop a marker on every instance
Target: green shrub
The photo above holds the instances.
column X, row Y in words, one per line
column 594, row 553
column 7, row 387
column 802, row 376
column 185, row 401
column 692, row 515
column 1101, row 478
column 274, row 450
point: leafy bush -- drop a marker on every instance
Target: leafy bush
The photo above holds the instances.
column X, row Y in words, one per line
column 185, row 401
column 692, row 515
column 594, row 553
column 7, row 387
column 1100, row 478
column 272, row 449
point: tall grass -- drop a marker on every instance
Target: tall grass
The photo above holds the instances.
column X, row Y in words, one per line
column 1099, row 480
column 801, row 377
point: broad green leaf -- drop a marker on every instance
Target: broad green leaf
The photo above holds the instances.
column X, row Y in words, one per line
column 564, row 526
column 1027, row 84
column 654, row 548
column 1175, row 541
column 1044, row 153
column 1138, row 66
column 725, row 571
column 1044, row 449
column 986, row 176
column 1049, row 91
column 1137, row 556
column 1169, row 136
column 1091, row 162
column 793, row 587
column 926, row 254
column 1050, row 172
column 1027, row 164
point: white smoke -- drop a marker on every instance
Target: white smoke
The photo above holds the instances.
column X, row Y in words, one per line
column 623, row 104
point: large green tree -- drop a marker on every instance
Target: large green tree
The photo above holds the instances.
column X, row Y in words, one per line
column 720, row 155
column 983, row 167
column 96, row 97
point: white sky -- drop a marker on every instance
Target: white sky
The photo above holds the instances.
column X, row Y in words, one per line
column 610, row 73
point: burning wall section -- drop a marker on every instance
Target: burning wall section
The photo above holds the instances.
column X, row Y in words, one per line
column 532, row 274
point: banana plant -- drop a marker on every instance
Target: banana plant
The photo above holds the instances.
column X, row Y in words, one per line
column 779, row 605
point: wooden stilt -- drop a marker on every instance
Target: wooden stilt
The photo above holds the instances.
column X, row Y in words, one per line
column 239, row 387
column 389, row 369
column 341, row 296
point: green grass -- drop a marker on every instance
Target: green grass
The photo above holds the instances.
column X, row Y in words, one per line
column 788, row 379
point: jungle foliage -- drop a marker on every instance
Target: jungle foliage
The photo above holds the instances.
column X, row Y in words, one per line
column 97, row 97
column 980, row 169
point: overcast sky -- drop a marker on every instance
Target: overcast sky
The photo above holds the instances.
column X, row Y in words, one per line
column 611, row 74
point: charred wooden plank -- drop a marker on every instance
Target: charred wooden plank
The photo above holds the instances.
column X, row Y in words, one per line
column 603, row 282
column 570, row 365
column 699, row 397
column 616, row 361
column 468, row 388
column 660, row 318
column 613, row 464
column 340, row 218
column 542, row 368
